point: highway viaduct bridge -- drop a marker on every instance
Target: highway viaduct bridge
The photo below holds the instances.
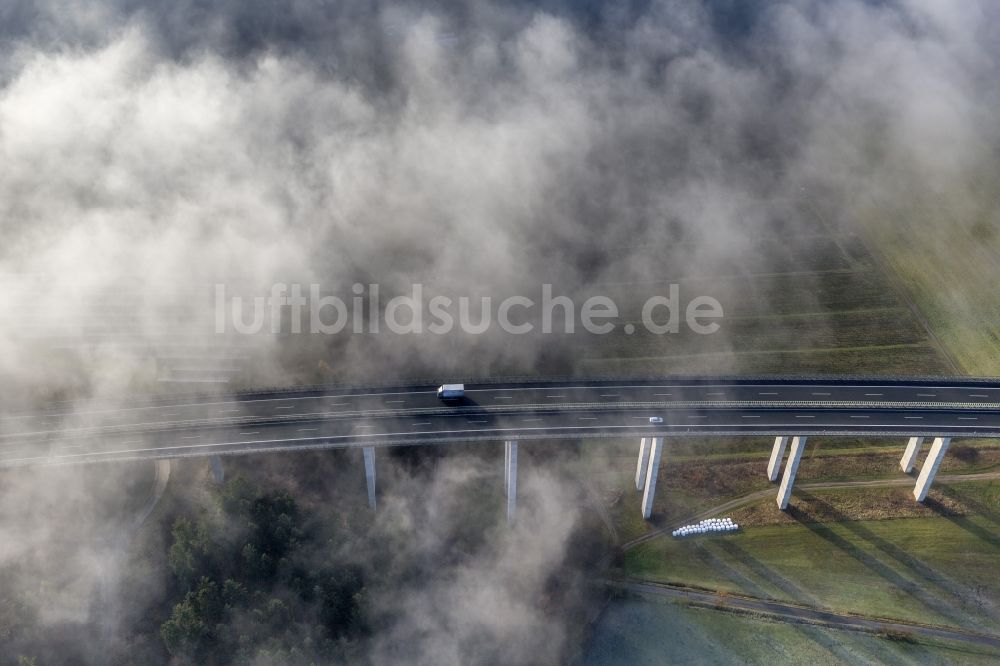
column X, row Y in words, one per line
column 650, row 410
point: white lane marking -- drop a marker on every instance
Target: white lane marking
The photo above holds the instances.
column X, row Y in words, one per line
column 968, row 418
column 468, row 421
column 927, row 395
column 555, row 396
column 338, row 404
column 859, row 417
column 874, row 395
column 424, row 423
column 586, row 418
column 978, row 395
column 610, row 395
column 255, row 432
column 799, row 416
column 503, row 397
column 767, row 393
column 190, row 437
column 818, row 393
column 529, row 420
column 290, row 407
column 364, row 426
column 661, row 395
column 308, row 429
column 393, row 402
column 745, row 416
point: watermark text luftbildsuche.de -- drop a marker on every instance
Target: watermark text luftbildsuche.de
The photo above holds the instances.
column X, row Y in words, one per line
column 296, row 308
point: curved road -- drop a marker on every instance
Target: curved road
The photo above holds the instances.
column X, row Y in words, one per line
column 309, row 418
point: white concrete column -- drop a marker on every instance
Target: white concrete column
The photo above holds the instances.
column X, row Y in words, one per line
column 788, row 480
column 655, row 453
column 369, row 452
column 777, row 454
column 506, row 464
column 510, row 476
column 930, row 468
column 218, row 474
column 640, row 468
column 910, row 454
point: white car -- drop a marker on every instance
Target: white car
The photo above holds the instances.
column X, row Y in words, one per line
column 656, row 419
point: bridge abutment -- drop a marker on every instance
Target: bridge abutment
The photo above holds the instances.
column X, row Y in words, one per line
column 930, row 467
column 910, row 454
column 369, row 453
column 791, row 468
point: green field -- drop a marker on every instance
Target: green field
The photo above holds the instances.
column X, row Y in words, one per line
column 939, row 570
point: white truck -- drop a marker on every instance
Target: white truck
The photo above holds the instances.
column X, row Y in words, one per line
column 451, row 391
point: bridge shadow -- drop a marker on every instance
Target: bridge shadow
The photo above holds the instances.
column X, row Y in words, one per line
column 914, row 587
column 866, row 646
column 988, row 513
column 747, row 584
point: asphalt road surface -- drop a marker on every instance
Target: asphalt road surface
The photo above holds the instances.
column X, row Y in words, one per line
column 307, row 418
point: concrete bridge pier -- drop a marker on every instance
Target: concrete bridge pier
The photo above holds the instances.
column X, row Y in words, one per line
column 640, row 469
column 777, row 455
column 910, row 454
column 791, row 468
column 369, row 453
column 652, row 469
column 218, row 474
column 510, row 477
column 930, row 467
